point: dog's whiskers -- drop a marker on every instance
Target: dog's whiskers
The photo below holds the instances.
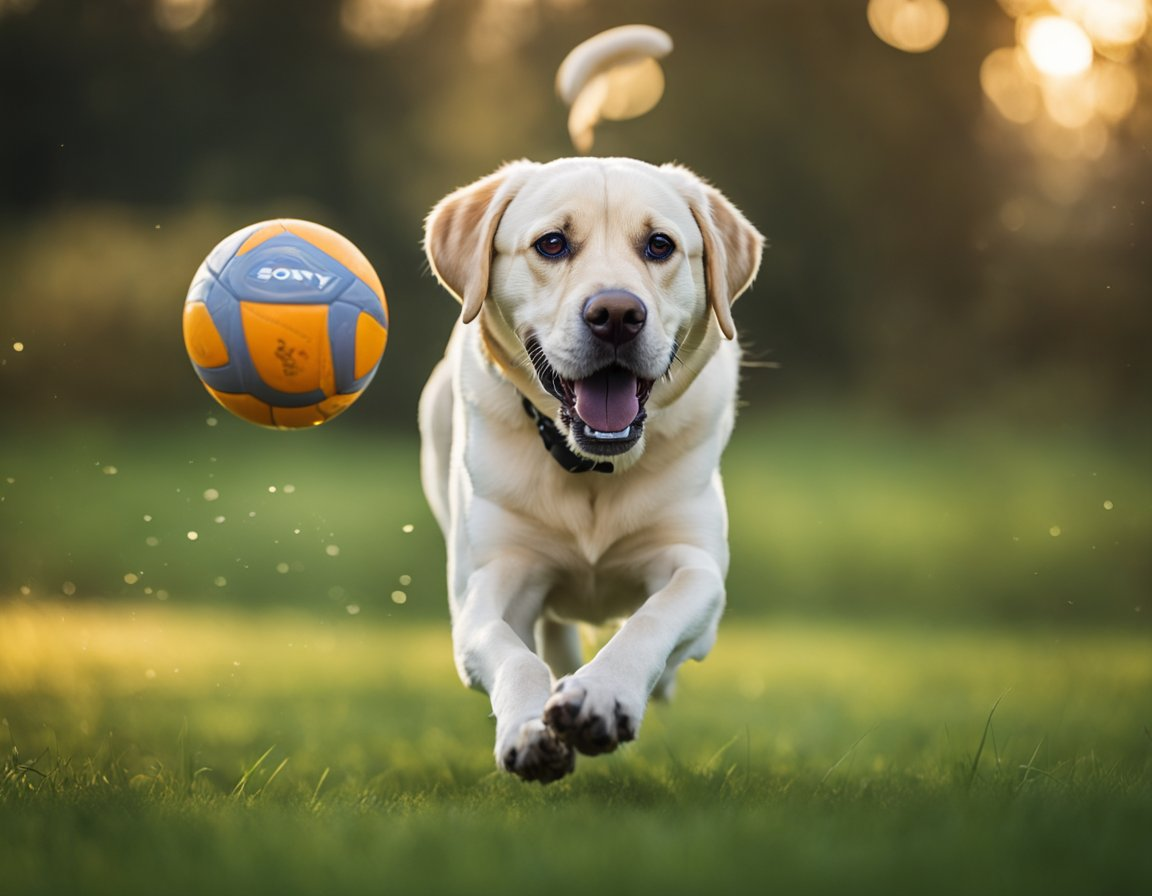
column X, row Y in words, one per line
column 546, row 375
column 673, row 359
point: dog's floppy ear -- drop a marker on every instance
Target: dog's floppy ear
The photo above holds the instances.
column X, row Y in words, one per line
column 460, row 230
column 732, row 246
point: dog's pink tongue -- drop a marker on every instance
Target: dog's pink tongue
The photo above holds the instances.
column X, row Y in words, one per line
column 607, row 400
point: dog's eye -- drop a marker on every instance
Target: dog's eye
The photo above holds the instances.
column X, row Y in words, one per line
column 552, row 245
column 659, row 247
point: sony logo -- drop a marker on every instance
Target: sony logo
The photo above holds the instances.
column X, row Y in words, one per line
column 298, row 274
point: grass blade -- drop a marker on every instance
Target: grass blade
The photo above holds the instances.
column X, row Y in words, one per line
column 272, row 777
column 314, row 802
column 983, row 740
column 238, row 790
column 1028, row 768
column 839, row 762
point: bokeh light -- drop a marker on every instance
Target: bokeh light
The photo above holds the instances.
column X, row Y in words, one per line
column 1017, row 8
column 1070, row 77
column 181, row 15
column 1005, row 83
column 1109, row 23
column 1056, row 46
column 1115, row 90
column 1071, row 102
column 379, row 22
column 914, row 26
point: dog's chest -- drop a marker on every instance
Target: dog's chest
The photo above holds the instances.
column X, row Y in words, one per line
column 589, row 528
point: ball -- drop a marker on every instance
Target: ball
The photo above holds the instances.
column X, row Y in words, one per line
column 285, row 323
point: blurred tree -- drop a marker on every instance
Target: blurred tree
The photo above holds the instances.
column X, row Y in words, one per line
column 925, row 258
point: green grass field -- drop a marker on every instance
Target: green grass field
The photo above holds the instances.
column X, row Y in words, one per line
column 196, row 751
column 829, row 515
column 225, row 667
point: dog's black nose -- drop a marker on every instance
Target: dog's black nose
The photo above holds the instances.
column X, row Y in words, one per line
column 615, row 315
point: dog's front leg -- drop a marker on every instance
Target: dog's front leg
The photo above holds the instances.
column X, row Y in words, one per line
column 602, row 704
column 493, row 639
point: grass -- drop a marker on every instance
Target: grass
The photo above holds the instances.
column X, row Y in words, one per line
column 224, row 667
column 965, row 519
column 829, row 515
column 215, row 750
column 226, row 512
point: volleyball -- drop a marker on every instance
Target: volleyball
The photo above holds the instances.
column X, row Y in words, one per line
column 285, row 323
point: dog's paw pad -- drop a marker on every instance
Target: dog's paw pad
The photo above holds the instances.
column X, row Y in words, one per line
column 538, row 755
column 592, row 727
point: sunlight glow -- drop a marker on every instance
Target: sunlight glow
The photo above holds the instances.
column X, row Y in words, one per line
column 1109, row 23
column 914, row 26
column 7, row 6
column 1058, row 47
column 1114, row 87
column 1071, row 102
column 1070, row 78
column 1017, row 8
column 500, row 26
column 1012, row 93
column 181, row 15
column 378, row 22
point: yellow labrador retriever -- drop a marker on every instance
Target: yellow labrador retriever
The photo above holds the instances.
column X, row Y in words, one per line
column 572, row 438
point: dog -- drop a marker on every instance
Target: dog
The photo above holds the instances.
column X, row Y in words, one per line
column 571, row 439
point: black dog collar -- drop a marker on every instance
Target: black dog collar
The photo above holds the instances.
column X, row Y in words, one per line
column 555, row 444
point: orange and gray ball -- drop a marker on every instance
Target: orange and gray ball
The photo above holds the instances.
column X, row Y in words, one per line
column 285, row 323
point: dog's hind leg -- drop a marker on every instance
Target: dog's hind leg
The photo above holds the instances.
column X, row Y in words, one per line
column 558, row 643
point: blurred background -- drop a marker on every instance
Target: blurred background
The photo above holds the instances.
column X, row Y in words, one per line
column 946, row 412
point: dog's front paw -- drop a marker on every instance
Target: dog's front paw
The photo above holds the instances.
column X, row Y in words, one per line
column 536, row 754
column 589, row 718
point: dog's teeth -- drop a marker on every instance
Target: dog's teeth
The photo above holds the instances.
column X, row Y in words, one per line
column 596, row 434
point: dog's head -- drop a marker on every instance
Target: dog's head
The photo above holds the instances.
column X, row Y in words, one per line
column 601, row 281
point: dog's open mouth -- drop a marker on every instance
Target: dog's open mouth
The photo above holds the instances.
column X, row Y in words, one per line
column 604, row 411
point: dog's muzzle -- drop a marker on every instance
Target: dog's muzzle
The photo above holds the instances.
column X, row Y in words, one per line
column 604, row 411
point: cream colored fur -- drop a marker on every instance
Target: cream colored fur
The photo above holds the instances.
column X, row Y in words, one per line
column 533, row 549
